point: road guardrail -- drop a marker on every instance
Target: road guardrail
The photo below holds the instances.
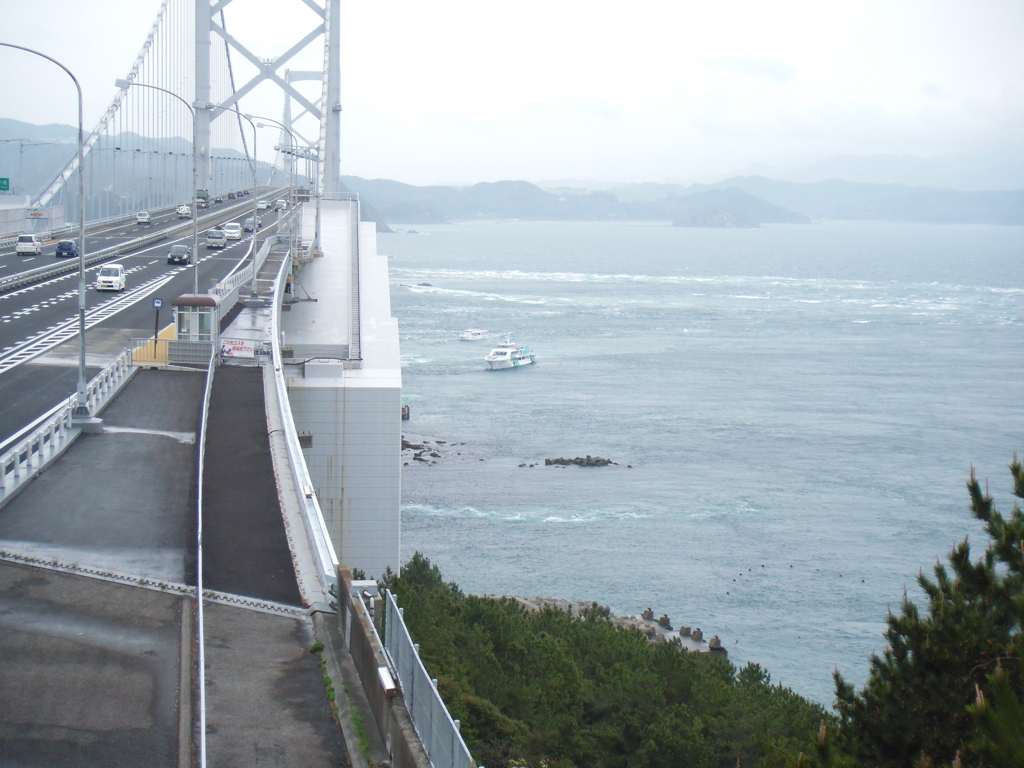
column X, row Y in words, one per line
column 38, row 274
column 35, row 447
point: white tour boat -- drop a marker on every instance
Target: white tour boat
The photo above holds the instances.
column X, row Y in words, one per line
column 508, row 354
column 473, row 334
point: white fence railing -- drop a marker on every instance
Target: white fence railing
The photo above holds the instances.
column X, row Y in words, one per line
column 72, row 229
column 25, row 453
column 28, row 277
column 326, row 560
column 438, row 732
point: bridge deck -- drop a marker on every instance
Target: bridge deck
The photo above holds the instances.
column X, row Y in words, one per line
column 245, row 550
column 123, row 502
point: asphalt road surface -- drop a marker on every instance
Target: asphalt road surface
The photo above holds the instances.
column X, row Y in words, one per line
column 39, row 322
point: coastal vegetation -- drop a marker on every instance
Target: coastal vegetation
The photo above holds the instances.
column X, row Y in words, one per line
column 547, row 689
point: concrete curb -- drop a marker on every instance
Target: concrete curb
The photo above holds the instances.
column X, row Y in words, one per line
column 348, row 688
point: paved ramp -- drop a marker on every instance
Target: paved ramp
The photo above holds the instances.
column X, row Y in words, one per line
column 122, row 500
column 245, row 550
column 91, row 672
column 264, row 694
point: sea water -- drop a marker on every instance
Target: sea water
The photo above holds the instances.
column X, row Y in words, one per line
column 793, row 412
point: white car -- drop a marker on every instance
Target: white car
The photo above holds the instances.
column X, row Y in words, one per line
column 280, row 205
column 262, row 205
column 233, row 230
column 184, row 212
column 111, row 278
column 215, row 238
column 142, row 217
column 29, row 244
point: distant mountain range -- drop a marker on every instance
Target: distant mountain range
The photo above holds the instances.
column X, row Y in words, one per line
column 976, row 171
column 738, row 202
column 993, row 169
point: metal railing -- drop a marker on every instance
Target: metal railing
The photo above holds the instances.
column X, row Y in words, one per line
column 144, row 352
column 227, row 290
column 324, row 556
column 71, row 265
column 42, row 441
column 438, row 732
column 211, row 362
column 72, row 229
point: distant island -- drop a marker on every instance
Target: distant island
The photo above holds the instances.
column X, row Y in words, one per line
column 738, row 202
column 741, row 202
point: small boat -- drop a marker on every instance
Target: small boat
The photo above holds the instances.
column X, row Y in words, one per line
column 508, row 354
column 473, row 334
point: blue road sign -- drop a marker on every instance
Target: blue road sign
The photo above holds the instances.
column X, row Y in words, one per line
column 158, row 303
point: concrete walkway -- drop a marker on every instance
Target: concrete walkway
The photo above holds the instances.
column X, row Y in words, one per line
column 245, row 550
column 91, row 672
column 122, row 500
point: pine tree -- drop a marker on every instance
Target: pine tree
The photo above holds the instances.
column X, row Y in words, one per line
column 913, row 710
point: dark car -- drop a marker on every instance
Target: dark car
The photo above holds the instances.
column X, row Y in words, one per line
column 67, row 248
column 231, row 195
column 179, row 254
column 218, row 200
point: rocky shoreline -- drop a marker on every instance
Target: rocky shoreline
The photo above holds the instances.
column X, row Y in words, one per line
column 655, row 630
column 430, row 451
column 587, row 461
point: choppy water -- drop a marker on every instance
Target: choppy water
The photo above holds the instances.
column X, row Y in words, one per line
column 800, row 406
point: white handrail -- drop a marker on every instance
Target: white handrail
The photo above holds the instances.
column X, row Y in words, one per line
column 40, row 442
column 324, row 556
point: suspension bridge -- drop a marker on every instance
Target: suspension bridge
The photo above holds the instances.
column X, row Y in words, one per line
column 198, row 463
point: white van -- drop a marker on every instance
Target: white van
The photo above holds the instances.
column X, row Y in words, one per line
column 233, row 230
column 215, row 238
column 111, row 278
column 142, row 217
column 29, row 244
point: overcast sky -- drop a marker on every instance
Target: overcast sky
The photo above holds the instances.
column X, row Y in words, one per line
column 465, row 91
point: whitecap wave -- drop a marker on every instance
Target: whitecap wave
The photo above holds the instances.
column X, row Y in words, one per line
column 527, row 515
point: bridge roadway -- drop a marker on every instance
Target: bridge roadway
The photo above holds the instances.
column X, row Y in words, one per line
column 39, row 321
column 97, row 622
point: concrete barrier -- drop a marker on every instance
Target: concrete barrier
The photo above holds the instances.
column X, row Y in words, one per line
column 391, row 717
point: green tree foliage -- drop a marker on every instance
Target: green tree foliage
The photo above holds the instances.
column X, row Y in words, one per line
column 545, row 688
column 1000, row 723
column 913, row 710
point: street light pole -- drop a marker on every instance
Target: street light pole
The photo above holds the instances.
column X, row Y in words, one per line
column 291, row 136
column 126, row 84
column 254, row 299
column 82, row 407
column 294, row 237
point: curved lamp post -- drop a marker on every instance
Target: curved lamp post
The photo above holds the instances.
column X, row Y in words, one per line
column 293, row 145
column 254, row 299
column 126, row 84
column 292, row 180
column 82, row 409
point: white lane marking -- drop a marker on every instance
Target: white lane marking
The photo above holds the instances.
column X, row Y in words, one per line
column 189, row 438
column 41, row 342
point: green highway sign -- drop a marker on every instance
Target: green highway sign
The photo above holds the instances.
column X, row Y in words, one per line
column 5, row 185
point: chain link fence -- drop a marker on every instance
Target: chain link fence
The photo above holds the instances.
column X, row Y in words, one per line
column 436, row 728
